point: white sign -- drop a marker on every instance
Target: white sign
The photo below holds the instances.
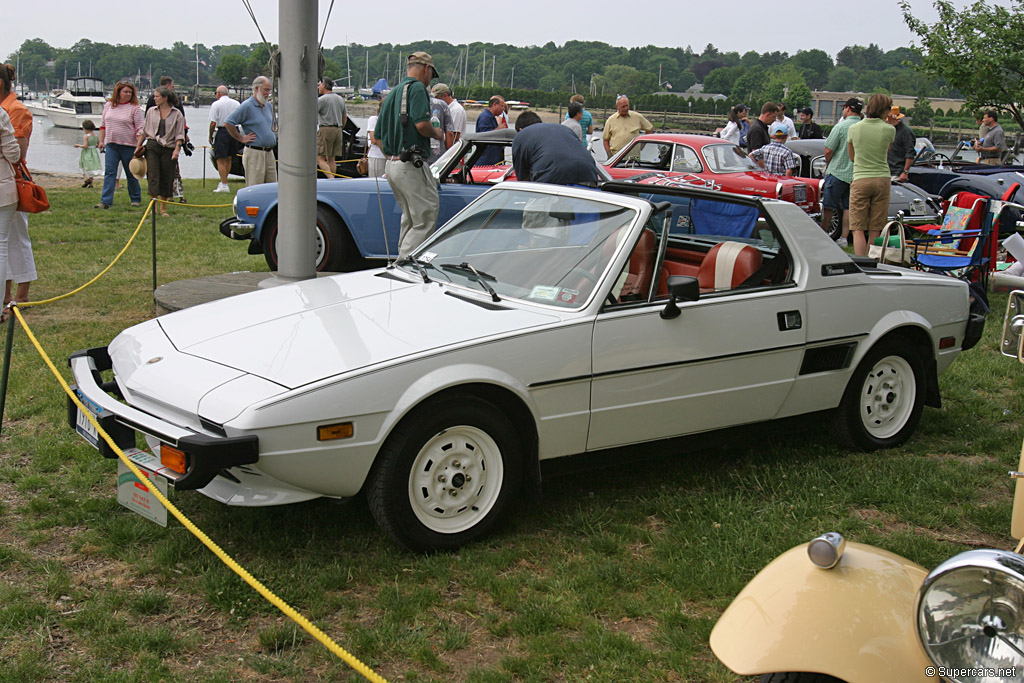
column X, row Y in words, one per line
column 136, row 495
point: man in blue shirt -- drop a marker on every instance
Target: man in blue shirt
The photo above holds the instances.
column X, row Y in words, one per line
column 488, row 120
column 550, row 153
column 256, row 117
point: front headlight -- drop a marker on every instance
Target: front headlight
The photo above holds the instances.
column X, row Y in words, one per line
column 970, row 616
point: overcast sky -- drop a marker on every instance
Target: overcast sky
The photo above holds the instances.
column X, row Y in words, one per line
column 736, row 25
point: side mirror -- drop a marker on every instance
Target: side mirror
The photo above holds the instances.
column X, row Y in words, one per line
column 683, row 288
column 1013, row 325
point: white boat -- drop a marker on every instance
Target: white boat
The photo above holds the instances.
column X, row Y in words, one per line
column 81, row 100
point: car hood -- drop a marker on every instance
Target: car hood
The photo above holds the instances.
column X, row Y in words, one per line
column 300, row 333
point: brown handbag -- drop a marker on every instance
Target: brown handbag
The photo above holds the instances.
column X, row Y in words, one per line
column 362, row 166
column 31, row 197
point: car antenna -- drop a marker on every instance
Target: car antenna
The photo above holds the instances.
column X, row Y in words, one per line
column 383, row 227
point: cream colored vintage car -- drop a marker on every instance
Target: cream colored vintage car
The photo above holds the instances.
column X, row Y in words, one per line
column 540, row 322
column 830, row 611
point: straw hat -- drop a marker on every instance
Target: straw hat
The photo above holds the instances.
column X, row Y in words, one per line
column 138, row 167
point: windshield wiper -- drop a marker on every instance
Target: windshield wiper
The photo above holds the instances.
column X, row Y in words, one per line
column 480, row 276
column 415, row 263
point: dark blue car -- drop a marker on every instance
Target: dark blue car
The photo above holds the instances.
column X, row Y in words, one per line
column 354, row 215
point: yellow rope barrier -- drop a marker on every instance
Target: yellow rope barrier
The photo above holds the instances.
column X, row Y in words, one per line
column 269, row 595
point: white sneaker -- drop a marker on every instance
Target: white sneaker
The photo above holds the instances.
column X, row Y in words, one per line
column 841, row 241
column 222, row 187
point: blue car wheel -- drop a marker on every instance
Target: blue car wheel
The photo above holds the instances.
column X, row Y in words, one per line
column 335, row 249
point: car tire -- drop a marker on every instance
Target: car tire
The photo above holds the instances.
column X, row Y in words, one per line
column 835, row 229
column 884, row 399
column 799, row 677
column 336, row 251
column 446, row 475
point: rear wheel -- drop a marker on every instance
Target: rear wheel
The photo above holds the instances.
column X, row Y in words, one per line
column 446, row 475
column 335, row 249
column 884, row 399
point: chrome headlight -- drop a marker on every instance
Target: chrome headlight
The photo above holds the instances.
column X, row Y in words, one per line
column 970, row 616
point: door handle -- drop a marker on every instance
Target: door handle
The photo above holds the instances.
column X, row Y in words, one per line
column 790, row 320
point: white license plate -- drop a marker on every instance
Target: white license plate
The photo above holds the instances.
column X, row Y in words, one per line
column 917, row 209
column 86, row 429
column 800, row 194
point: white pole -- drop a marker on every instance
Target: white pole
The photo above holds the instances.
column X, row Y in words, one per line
column 296, row 242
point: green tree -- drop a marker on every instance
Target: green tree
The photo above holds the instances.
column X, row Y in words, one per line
column 977, row 51
column 231, row 69
column 723, row 79
column 817, row 62
column 841, row 79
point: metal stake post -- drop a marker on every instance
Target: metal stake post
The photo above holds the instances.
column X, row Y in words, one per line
column 154, row 246
column 5, row 373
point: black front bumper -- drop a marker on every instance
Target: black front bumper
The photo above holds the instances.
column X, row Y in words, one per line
column 205, row 455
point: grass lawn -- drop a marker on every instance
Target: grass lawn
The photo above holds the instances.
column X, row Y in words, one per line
column 616, row 574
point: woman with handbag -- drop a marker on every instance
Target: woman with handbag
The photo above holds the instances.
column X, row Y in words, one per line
column 10, row 154
column 161, row 138
column 21, row 263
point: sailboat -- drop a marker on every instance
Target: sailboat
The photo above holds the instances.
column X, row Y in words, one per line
column 347, row 89
column 366, row 91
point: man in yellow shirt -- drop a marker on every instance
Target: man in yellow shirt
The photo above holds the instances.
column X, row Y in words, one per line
column 623, row 126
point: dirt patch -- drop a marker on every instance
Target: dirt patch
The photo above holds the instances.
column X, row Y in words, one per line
column 57, row 180
column 881, row 521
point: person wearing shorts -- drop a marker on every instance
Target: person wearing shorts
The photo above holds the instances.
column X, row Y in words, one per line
column 225, row 147
column 839, row 171
column 868, row 146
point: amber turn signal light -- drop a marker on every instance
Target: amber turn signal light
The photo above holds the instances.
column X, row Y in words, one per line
column 252, row 210
column 343, row 430
column 173, row 458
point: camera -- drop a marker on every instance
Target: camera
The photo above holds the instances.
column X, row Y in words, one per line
column 413, row 154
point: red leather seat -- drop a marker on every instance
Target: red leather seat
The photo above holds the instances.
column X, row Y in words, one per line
column 641, row 267
column 727, row 265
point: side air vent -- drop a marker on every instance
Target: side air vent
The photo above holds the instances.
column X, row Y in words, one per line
column 826, row 358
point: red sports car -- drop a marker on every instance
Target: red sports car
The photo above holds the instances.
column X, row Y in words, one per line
column 721, row 164
column 694, row 159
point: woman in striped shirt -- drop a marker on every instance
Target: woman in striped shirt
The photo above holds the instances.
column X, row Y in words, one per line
column 119, row 132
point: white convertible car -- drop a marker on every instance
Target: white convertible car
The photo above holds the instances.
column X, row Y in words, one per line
column 540, row 322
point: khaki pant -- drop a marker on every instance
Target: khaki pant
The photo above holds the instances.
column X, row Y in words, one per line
column 416, row 193
column 869, row 203
column 991, row 161
column 329, row 140
column 260, row 166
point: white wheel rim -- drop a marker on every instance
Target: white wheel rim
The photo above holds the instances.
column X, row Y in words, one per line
column 455, row 479
column 319, row 256
column 887, row 397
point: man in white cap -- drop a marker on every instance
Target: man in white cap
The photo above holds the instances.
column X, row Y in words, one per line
column 405, row 130
column 442, row 92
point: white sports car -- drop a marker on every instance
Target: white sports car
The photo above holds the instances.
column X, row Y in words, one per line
column 540, row 322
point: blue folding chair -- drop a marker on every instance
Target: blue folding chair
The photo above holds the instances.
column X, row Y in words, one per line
column 960, row 246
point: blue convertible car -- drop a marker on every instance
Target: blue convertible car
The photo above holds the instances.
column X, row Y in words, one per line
column 353, row 215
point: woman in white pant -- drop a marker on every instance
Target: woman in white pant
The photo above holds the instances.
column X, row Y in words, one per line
column 10, row 153
column 21, row 265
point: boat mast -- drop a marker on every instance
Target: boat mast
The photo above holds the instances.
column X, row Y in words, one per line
column 366, row 77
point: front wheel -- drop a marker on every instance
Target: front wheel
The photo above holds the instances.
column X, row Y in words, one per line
column 336, row 251
column 798, row 677
column 446, row 475
column 884, row 399
column 835, row 229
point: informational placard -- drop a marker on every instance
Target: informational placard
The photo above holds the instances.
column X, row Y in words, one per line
column 136, row 495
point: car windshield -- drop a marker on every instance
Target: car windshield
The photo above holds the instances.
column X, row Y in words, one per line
column 728, row 158
column 538, row 247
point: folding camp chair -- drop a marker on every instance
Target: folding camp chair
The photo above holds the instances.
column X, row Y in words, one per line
column 961, row 246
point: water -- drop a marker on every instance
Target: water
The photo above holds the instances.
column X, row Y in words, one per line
column 53, row 149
